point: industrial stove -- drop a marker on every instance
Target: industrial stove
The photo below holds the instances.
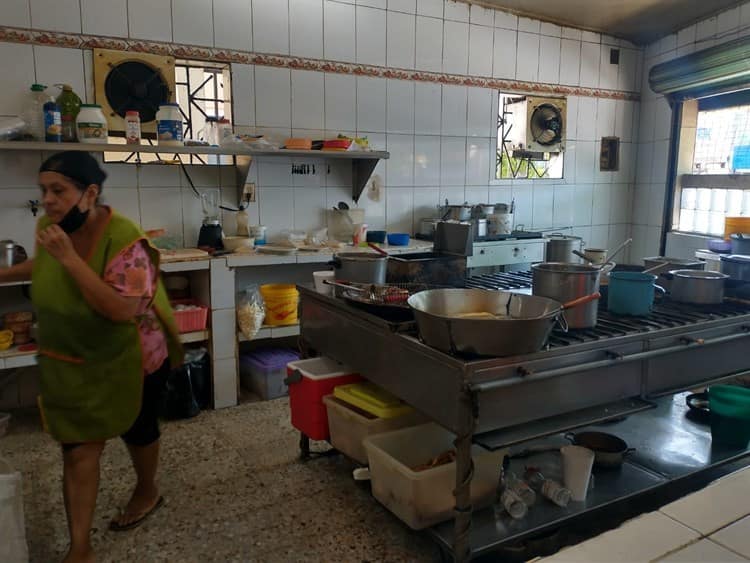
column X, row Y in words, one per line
column 624, row 366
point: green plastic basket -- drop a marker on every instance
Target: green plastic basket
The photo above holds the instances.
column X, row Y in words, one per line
column 730, row 415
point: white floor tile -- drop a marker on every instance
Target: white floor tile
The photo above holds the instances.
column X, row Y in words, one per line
column 735, row 536
column 703, row 551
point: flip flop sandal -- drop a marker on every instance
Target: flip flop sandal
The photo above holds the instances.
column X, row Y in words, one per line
column 116, row 527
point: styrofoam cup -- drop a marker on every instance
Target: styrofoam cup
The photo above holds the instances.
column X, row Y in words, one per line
column 320, row 277
column 577, row 463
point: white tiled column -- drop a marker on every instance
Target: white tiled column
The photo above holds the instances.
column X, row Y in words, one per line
column 223, row 335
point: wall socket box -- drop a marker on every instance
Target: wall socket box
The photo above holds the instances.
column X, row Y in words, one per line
column 248, row 192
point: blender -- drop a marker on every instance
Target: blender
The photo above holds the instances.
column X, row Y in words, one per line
column 210, row 235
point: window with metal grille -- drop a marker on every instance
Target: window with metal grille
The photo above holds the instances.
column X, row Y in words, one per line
column 719, row 183
column 203, row 92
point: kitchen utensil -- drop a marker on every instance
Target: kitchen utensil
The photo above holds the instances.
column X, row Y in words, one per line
column 376, row 236
column 388, row 301
column 740, row 243
column 619, row 249
column 720, row 246
column 363, row 267
column 564, row 282
column 632, row 293
column 398, row 239
column 560, row 248
column 377, row 249
column 487, row 323
column 609, row 450
column 657, row 264
column 730, row 415
column 582, row 256
column 319, row 278
column 597, row 256
column 697, row 287
column 210, row 235
column 736, row 266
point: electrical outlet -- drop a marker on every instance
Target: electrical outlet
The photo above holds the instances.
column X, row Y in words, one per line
column 248, row 192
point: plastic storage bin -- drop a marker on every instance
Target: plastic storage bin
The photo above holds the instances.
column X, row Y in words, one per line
column 193, row 320
column 349, row 426
column 372, row 399
column 263, row 370
column 309, row 381
column 425, row 498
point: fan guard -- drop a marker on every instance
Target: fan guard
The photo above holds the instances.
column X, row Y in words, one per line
column 546, row 124
column 135, row 85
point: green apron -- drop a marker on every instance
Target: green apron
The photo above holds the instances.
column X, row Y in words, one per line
column 91, row 367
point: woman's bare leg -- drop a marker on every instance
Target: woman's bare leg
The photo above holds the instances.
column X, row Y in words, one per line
column 146, row 494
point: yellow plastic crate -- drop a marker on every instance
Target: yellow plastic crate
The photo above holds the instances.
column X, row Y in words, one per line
column 371, row 398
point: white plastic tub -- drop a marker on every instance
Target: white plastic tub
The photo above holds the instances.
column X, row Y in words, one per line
column 349, row 427
column 425, row 498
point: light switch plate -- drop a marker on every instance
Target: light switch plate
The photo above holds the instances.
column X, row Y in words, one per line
column 248, row 192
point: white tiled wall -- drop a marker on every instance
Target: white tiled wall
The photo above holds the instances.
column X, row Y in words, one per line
column 653, row 133
column 440, row 136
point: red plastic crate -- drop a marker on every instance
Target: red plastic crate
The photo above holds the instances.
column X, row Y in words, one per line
column 317, row 378
column 190, row 321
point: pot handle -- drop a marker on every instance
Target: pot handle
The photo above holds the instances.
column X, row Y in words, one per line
column 570, row 437
column 335, row 262
column 562, row 321
column 628, row 451
column 660, row 290
column 607, row 268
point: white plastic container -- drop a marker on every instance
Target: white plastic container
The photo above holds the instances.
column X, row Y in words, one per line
column 169, row 125
column 91, row 125
column 319, row 278
column 577, row 463
column 350, row 427
column 425, row 498
column 13, row 545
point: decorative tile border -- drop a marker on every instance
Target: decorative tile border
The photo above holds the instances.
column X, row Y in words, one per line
column 82, row 41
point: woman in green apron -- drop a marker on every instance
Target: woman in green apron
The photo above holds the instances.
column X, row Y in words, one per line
column 106, row 340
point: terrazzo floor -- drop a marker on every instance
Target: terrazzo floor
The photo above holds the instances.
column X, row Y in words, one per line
column 234, row 490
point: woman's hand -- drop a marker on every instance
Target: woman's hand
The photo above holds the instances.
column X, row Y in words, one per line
column 55, row 241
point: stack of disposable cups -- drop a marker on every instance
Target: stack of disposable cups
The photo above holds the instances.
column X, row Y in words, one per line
column 577, row 463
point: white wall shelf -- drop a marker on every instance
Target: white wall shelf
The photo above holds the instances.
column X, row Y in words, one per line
column 273, row 332
column 363, row 162
column 12, row 358
column 197, row 336
column 185, row 266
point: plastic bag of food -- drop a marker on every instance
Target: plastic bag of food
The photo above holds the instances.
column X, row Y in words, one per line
column 251, row 311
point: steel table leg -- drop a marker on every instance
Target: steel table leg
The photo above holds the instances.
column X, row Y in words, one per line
column 304, row 447
column 464, row 475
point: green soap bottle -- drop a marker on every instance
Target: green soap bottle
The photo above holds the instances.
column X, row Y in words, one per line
column 70, row 105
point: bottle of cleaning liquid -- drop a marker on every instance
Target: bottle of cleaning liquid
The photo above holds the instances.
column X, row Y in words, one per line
column 70, row 105
column 33, row 113
column 52, row 123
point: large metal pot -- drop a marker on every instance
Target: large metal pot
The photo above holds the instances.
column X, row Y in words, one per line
column 456, row 212
column 740, row 243
column 697, row 287
column 566, row 282
column 362, row 267
column 560, row 248
column 736, row 266
column 486, row 323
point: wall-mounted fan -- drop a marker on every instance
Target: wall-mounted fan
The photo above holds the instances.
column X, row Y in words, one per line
column 538, row 124
column 127, row 81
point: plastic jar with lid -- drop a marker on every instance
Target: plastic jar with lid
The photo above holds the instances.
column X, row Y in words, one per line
column 132, row 127
column 169, row 124
column 91, row 125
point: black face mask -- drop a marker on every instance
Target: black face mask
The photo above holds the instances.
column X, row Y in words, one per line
column 74, row 219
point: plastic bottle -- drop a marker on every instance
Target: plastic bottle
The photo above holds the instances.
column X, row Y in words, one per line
column 169, row 125
column 132, row 127
column 33, row 113
column 70, row 105
column 550, row 489
column 52, row 123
